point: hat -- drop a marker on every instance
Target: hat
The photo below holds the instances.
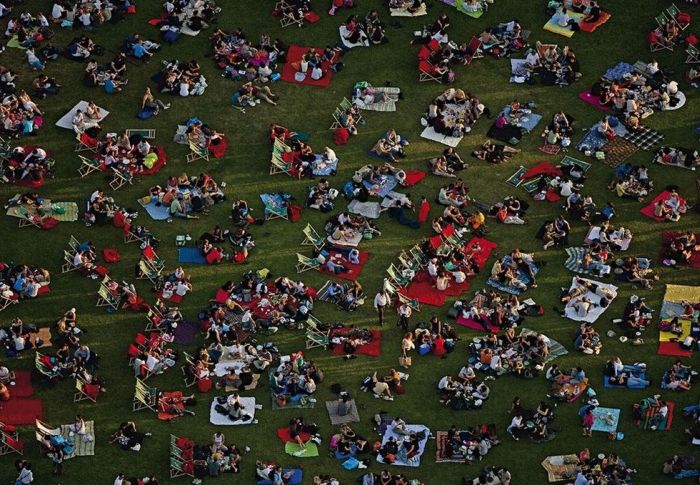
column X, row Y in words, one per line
column 634, row 299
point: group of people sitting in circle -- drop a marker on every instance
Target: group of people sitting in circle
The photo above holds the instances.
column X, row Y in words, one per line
column 128, row 155
column 681, row 249
column 240, row 58
column 464, row 392
column 186, row 195
column 391, row 146
column 631, row 182
column 404, row 449
column 18, row 337
column 566, row 384
column 592, row 469
column 533, row 423
column 504, row 39
column 453, row 267
column 20, row 281
column 295, row 379
column 554, row 65
column 188, row 16
column 516, row 270
column 521, row 355
column 27, row 165
column 679, row 377
column 19, row 114
column 316, row 63
column 672, row 207
column 470, row 444
column 369, row 30
column 181, row 78
column 453, row 113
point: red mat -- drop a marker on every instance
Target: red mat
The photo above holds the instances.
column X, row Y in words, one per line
column 473, row 324
column 413, row 177
column 175, row 298
column 354, row 270
column 672, row 348
column 649, row 210
column 487, row 248
column 285, row 437
column 668, row 236
column 43, row 290
column 591, row 26
column 21, row 411
column 594, row 101
column 219, row 150
column 23, row 385
column 425, row 293
column 542, row 168
column 373, row 349
column 294, row 55
column 160, row 163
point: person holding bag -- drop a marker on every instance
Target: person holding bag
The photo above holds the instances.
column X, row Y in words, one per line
column 406, row 346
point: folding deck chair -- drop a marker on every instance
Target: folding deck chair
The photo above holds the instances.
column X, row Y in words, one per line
column 673, row 13
column 179, row 466
column 43, row 369
column 347, row 104
column 145, row 271
column 277, row 166
column 336, row 119
column 188, row 370
column 197, row 153
column 408, row 262
column 305, row 263
column 67, row 265
column 130, row 236
column 81, row 146
column 401, row 298
column 105, row 298
column 10, row 443
column 288, row 19
column 473, row 50
column 152, row 317
column 396, row 277
column 147, row 133
column 654, row 39
column 276, row 213
column 426, row 72
column 417, row 254
column 315, row 337
column 119, row 179
column 7, row 301
column 82, row 391
column 312, row 238
column 87, row 166
column 150, row 255
column 145, row 397
column 693, row 54
column 25, row 219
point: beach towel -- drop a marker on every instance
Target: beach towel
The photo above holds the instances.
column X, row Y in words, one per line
column 618, row 150
column 191, row 256
column 413, row 428
column 555, row 28
column 373, row 348
column 673, row 349
column 595, row 310
column 403, row 12
column 353, row 416
column 83, row 444
column 664, row 424
column 527, row 122
column 158, row 212
column 66, row 121
column 310, row 450
column 383, row 186
column 223, row 420
column 459, row 5
column 605, row 419
column 573, row 261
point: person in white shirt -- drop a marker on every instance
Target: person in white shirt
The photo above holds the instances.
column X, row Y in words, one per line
column 516, row 424
column 58, row 12
column 85, row 19
column 169, row 7
column 182, row 288
column 4, row 10
column 405, row 312
column 433, row 268
column 381, row 301
column 565, row 188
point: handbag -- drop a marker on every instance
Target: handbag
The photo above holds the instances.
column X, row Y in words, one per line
column 406, row 361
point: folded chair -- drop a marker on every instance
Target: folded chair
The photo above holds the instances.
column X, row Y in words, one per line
column 277, row 166
column 336, row 119
column 312, row 238
column 87, row 166
column 148, row 133
column 188, row 370
column 6, row 301
column 10, row 443
column 289, row 19
column 693, row 54
column 85, row 391
column 682, row 19
column 656, row 43
column 130, row 236
column 197, row 153
column 67, row 265
column 427, row 72
column 315, row 337
column 145, row 397
column 305, row 263
column 119, row 179
column 473, row 50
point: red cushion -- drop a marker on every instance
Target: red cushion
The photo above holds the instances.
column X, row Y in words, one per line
column 49, row 223
column 111, row 255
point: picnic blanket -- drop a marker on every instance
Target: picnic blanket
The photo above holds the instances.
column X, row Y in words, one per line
column 274, row 204
column 190, row 256
column 518, row 70
column 223, row 420
column 21, row 411
column 185, row 332
column 593, row 140
column 522, row 277
column 592, row 26
column 370, row 210
column 310, row 449
column 461, row 7
column 353, row 415
column 618, row 150
column 413, row 428
column 573, row 261
column 373, row 348
column 83, row 444
column 294, row 479
column 605, row 419
column 555, row 348
column 352, row 242
column 381, row 188
column 61, row 211
column 384, row 106
column 644, row 137
column 66, row 121
column 441, row 450
column 430, row 134
column 527, row 122
column 560, row 467
column 555, row 28
column 403, row 12
column 157, row 211
column 594, row 234
column 594, row 101
column 474, row 325
column 354, row 270
column 680, row 293
column 664, row 424
column 596, row 310
column 293, row 402
column 294, row 55
column 343, row 31
column 648, row 210
column 619, row 71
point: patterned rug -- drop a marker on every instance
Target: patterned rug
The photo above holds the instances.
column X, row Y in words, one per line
column 644, row 138
column 617, row 151
column 550, row 149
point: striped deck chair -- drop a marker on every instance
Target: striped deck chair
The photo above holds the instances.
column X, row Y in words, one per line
column 83, row 391
column 305, row 263
column 68, row 265
column 150, row 255
column 312, row 238
column 87, row 166
column 145, row 397
column 693, row 54
column 277, row 166
column 673, row 12
column 400, row 297
column 336, row 119
column 10, row 442
column 407, row 262
column 197, row 153
column 315, row 337
column 180, row 468
column 515, row 180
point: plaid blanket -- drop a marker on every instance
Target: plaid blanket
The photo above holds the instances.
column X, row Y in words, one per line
column 644, row 138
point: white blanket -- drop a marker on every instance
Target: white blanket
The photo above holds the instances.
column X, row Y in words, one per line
column 403, row 12
column 66, row 121
column 371, row 210
column 222, row 367
column 223, row 420
column 343, row 33
column 595, row 310
column 430, row 134
column 413, row 428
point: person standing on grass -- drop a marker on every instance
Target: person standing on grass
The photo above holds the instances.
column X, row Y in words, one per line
column 405, row 313
column 588, row 419
column 381, row 301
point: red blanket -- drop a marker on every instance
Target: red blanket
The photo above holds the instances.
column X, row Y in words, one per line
column 294, row 55
column 354, row 270
column 284, row 435
column 473, row 324
column 672, row 348
column 219, row 150
column 668, row 236
column 22, row 411
column 413, row 177
column 542, row 168
column 373, row 348
column 649, row 209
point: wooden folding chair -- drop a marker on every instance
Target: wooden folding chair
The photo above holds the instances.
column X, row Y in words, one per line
column 68, row 265
column 289, row 19
column 313, row 238
column 277, row 166
column 106, row 299
column 81, row 146
column 396, row 277
column 150, row 255
column 177, row 468
column 10, row 443
column 152, row 318
column 473, row 50
column 276, row 213
column 81, row 392
column 119, row 179
column 673, row 12
column 25, row 219
column 188, row 370
column 197, row 153
column 145, row 397
column 336, row 119
column 7, row 301
column 43, row 369
column 693, row 54
column 345, row 103
column 408, row 262
column 418, row 256
column 147, row 133
column 305, row 263
column 147, row 272
column 315, row 337
column 87, row 166
column 426, row 72
column 130, row 236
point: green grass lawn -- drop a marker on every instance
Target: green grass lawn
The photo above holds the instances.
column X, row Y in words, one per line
column 245, row 169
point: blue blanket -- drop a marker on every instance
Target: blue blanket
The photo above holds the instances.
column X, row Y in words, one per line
column 602, row 416
column 528, row 121
column 386, row 185
column 329, row 168
column 190, row 256
column 609, row 385
column 594, row 140
column 157, row 212
column 618, row 72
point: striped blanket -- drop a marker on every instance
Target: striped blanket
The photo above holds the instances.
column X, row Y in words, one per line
column 83, row 445
column 573, row 262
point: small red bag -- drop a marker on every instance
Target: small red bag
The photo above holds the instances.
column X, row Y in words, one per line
column 204, row 385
